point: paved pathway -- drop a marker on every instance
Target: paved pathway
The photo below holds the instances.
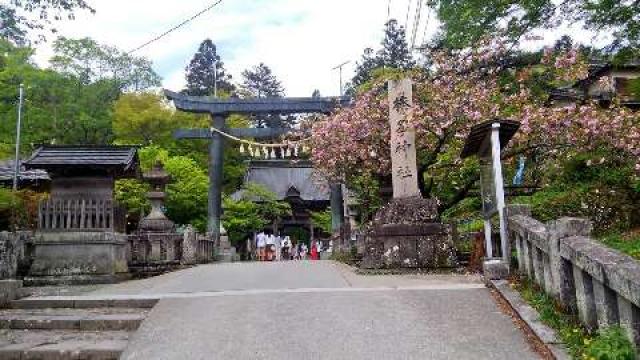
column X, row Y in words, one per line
column 317, row 310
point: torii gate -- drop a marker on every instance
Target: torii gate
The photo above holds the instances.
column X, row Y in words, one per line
column 220, row 109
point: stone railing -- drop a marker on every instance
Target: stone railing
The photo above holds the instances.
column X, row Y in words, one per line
column 599, row 284
column 149, row 249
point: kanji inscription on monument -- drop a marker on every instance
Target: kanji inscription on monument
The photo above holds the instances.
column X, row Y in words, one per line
column 403, row 149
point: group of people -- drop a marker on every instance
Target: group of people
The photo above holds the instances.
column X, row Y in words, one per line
column 270, row 247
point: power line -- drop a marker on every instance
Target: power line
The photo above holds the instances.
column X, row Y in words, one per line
column 416, row 23
column 426, row 27
column 406, row 21
column 175, row 27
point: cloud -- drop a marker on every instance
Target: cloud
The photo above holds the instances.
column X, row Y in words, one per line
column 300, row 40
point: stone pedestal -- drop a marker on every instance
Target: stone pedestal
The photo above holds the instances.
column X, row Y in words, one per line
column 495, row 269
column 224, row 251
column 405, row 235
column 77, row 257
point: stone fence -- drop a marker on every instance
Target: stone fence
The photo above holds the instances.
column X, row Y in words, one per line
column 13, row 253
column 145, row 253
column 599, row 284
column 156, row 252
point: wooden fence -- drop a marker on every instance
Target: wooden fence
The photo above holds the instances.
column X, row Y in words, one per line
column 92, row 214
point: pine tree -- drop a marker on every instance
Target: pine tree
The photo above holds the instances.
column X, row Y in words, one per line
column 395, row 50
column 393, row 54
column 260, row 82
column 200, row 75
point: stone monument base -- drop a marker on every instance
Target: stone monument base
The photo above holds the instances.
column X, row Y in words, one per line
column 495, row 269
column 405, row 235
column 78, row 257
column 224, row 251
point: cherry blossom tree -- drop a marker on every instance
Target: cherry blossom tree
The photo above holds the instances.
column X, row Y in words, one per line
column 459, row 90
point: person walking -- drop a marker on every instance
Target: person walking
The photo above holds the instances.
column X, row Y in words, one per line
column 270, row 248
column 261, row 243
column 314, row 250
column 278, row 247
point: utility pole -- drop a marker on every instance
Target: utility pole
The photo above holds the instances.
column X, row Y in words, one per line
column 16, row 169
column 339, row 67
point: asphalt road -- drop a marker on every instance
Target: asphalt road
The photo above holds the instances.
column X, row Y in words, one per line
column 319, row 310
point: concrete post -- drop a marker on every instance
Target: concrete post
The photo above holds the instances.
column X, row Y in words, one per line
column 189, row 247
column 606, row 305
column 629, row 316
column 585, row 298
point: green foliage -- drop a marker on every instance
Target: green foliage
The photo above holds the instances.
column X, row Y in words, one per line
column 199, row 73
column 11, row 206
column 628, row 243
column 608, row 344
column 18, row 210
column 367, row 190
column 394, row 53
column 256, row 208
column 19, row 18
column 57, row 108
column 465, row 22
column 132, row 194
column 89, row 61
column 322, row 220
column 599, row 185
column 146, row 118
column 187, row 193
column 611, row 344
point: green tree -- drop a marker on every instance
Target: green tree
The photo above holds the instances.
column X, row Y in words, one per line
column 147, row 118
column 19, row 17
column 464, row 22
column 200, row 75
column 256, row 208
column 90, row 62
column 57, row 108
column 394, row 53
column 260, row 82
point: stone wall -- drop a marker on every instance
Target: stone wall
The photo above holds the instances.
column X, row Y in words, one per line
column 13, row 253
column 601, row 285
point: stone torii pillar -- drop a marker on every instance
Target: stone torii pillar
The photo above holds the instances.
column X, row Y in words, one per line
column 220, row 109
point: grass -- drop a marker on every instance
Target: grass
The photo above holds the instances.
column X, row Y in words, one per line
column 608, row 344
column 628, row 243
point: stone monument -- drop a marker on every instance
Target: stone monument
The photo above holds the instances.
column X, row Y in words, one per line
column 405, row 232
column 155, row 247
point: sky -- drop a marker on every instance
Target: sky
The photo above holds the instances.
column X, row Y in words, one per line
column 301, row 40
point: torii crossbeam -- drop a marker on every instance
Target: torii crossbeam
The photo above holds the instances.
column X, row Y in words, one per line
column 220, row 109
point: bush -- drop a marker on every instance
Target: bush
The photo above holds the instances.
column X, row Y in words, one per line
column 18, row 210
column 610, row 344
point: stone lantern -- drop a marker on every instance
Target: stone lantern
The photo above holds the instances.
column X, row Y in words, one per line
column 157, row 221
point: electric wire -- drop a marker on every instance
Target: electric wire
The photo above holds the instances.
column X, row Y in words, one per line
column 406, row 21
column 416, row 23
column 175, row 27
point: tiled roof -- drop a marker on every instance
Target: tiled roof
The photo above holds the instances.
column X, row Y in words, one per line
column 7, row 169
column 51, row 156
column 283, row 177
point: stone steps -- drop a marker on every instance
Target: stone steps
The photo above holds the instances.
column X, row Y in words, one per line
column 71, row 319
column 50, row 302
column 53, row 328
